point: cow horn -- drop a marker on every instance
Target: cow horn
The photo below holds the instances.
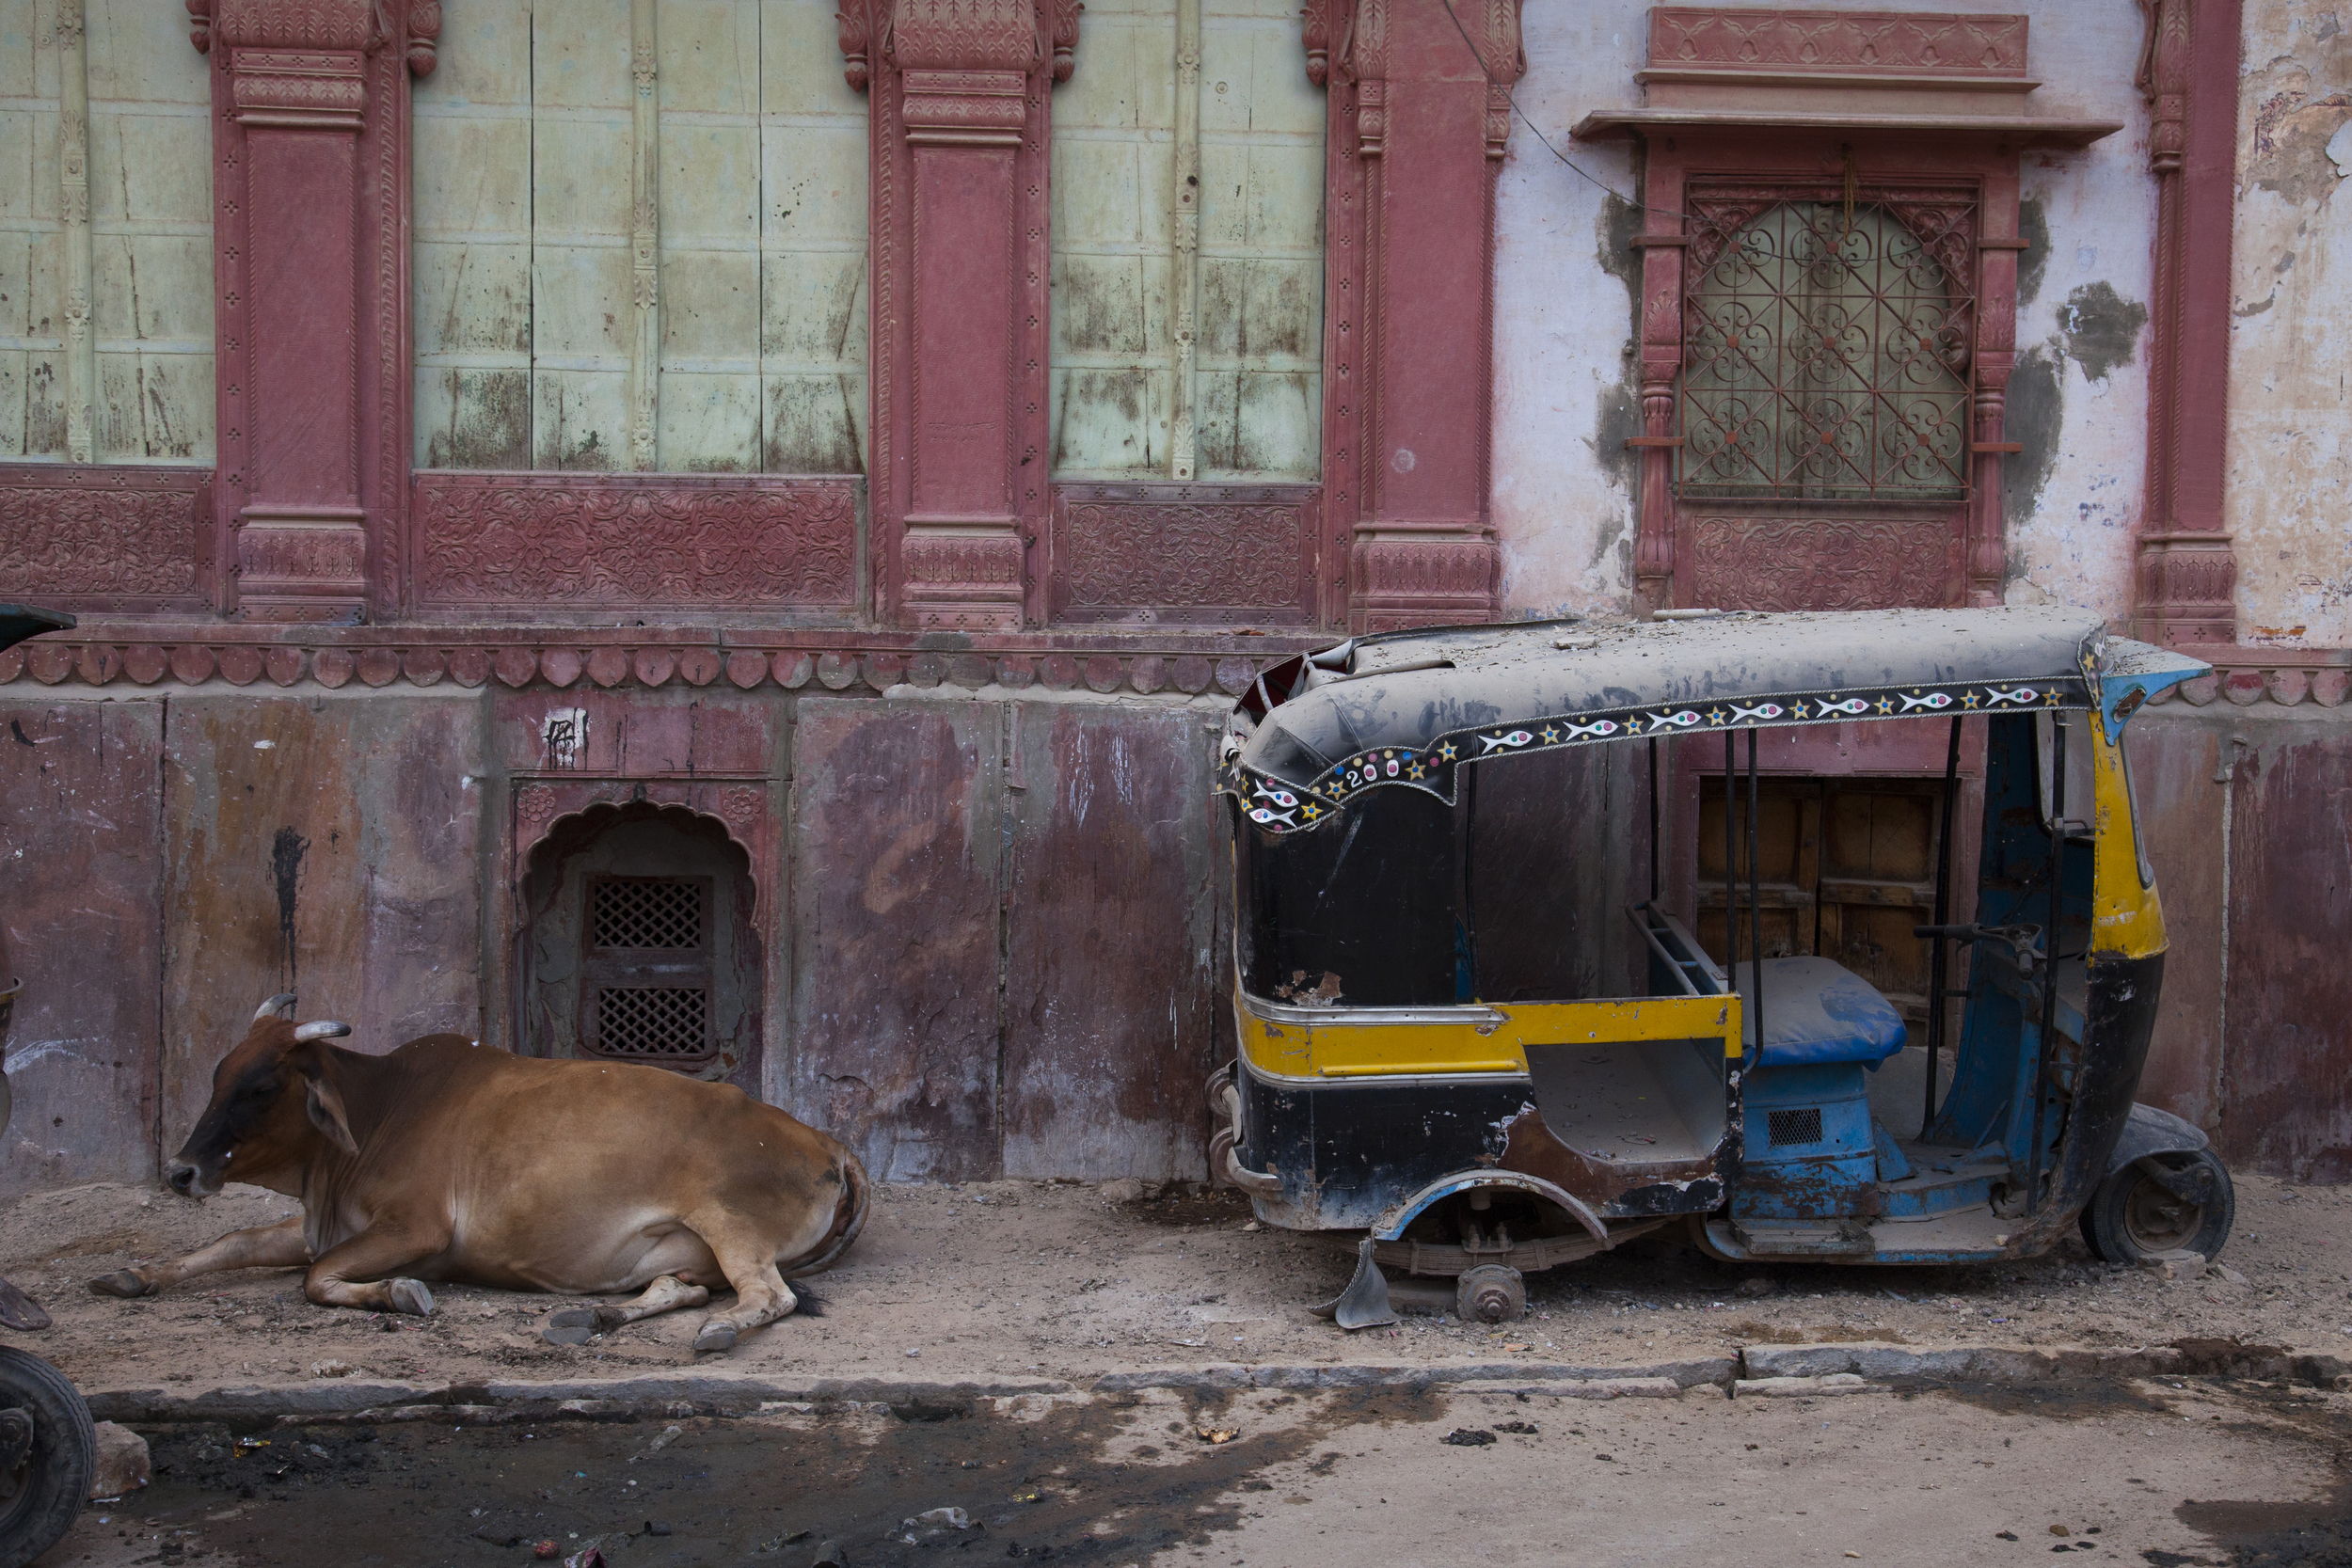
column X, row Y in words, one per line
column 326, row 1029
column 273, row 1005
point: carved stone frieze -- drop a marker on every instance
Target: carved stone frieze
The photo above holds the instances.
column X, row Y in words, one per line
column 1908, row 43
column 1191, row 552
column 1735, row 563
column 964, row 34
column 2188, row 586
column 520, row 541
column 112, row 538
column 1424, row 580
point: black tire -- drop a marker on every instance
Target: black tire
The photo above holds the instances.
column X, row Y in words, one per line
column 2131, row 1214
column 40, row 1501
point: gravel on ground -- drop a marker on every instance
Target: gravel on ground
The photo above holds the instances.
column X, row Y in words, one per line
column 1010, row 1279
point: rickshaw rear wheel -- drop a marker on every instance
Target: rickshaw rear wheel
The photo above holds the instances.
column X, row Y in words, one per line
column 1491, row 1293
column 2132, row 1215
column 47, row 1479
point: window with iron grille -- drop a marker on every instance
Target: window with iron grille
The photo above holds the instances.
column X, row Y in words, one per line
column 1826, row 345
column 646, row 981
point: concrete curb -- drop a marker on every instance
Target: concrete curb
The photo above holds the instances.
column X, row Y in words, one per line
column 707, row 1394
column 2015, row 1364
column 1684, row 1374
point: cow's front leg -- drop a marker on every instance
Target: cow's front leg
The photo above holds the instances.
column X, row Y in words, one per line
column 761, row 1296
column 264, row 1246
column 365, row 1271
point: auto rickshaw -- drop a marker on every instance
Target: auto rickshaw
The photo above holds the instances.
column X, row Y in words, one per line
column 1475, row 1040
column 48, row 1442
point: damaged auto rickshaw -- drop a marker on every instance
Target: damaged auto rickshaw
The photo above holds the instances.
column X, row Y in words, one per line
column 48, row 1442
column 1477, row 1037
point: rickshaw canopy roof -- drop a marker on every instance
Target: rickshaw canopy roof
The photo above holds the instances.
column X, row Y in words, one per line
column 1410, row 709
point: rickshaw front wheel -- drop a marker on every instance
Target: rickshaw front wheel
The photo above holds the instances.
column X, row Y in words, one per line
column 2137, row 1213
column 1491, row 1293
column 48, row 1455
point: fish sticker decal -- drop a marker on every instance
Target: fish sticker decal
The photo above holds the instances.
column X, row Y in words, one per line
column 1514, row 740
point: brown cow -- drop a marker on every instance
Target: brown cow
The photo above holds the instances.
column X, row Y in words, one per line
column 446, row 1161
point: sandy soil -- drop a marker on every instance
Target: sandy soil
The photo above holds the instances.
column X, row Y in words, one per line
column 1051, row 1280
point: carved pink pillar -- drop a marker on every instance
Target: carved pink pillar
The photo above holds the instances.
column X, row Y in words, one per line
column 1997, row 247
column 958, row 128
column 310, row 191
column 1662, row 240
column 2188, row 577
column 1412, row 228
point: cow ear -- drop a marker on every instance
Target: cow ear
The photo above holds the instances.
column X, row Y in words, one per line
column 326, row 1106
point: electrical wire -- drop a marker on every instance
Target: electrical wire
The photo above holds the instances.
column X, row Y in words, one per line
column 1511, row 95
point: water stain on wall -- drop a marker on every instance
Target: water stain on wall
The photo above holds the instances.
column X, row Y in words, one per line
column 2100, row 328
column 2033, row 227
column 1617, row 412
column 2033, row 415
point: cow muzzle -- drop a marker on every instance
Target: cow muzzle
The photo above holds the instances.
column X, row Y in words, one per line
column 189, row 1180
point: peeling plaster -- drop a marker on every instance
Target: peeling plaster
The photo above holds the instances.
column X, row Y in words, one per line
column 1567, row 386
column 2290, row 441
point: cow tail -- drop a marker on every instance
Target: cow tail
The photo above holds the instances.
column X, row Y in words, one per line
column 857, row 1196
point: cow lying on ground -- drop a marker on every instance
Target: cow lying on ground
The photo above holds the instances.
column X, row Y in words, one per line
column 447, row 1161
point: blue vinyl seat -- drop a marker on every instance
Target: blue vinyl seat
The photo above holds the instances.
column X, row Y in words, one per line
column 1818, row 1011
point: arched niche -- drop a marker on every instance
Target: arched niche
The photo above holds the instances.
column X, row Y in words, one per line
column 636, row 941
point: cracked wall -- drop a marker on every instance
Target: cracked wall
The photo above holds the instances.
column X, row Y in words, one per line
column 2290, row 446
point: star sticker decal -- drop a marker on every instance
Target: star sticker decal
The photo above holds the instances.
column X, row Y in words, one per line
column 1802, row 711
column 1415, row 771
column 1550, row 734
column 1968, row 699
column 1715, row 716
column 2051, row 697
column 1310, row 810
column 1446, row 751
column 1886, row 704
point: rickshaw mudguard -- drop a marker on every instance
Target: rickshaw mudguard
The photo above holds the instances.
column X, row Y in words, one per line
column 2119, row 1015
column 2147, row 1131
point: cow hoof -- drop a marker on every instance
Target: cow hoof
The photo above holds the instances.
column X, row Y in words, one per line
column 410, row 1296
column 567, row 1334
column 122, row 1282
column 715, row 1337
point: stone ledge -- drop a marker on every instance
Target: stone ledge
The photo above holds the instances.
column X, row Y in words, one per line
column 690, row 1393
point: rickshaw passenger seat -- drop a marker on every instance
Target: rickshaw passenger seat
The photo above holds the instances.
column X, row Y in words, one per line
column 1817, row 1010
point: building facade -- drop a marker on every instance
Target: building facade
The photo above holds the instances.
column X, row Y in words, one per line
column 720, row 532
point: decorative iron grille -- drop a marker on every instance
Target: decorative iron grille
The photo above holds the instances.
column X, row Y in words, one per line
column 647, row 912
column 1826, row 344
column 1788, row 1128
column 659, row 1024
column 646, row 981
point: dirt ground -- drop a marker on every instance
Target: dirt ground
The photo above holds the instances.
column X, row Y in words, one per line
column 1019, row 1279
column 2163, row 1472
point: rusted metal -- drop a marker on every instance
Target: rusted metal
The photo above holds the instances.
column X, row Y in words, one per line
column 79, row 791
column 1107, row 942
column 377, row 918
column 896, row 897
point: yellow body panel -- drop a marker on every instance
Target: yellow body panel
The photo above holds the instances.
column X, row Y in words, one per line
column 1362, row 1043
column 2126, row 918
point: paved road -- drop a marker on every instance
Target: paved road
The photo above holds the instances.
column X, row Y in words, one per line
column 2154, row 1473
